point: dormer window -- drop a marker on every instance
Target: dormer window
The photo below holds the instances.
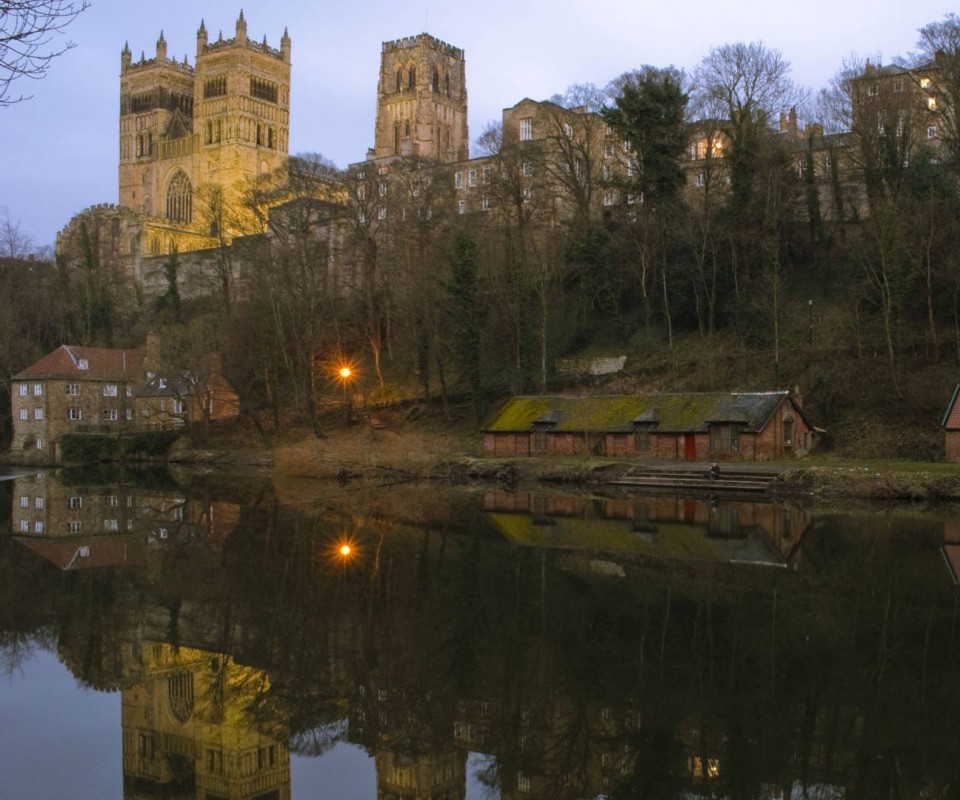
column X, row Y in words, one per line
column 83, row 364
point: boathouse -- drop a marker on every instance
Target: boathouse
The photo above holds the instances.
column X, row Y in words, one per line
column 735, row 426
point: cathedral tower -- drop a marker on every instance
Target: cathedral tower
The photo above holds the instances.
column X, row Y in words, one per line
column 217, row 124
column 421, row 101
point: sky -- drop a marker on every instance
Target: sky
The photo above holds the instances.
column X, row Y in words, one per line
column 59, row 151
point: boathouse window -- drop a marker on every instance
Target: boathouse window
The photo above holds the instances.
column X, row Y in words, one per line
column 788, row 432
column 641, row 437
column 724, row 438
column 540, row 438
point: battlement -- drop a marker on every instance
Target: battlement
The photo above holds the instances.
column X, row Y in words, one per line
column 408, row 42
column 259, row 47
column 148, row 63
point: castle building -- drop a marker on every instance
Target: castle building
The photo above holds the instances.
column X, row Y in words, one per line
column 190, row 137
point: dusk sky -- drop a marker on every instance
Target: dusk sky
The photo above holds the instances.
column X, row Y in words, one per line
column 60, row 148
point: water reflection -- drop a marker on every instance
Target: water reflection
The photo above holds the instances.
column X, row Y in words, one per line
column 570, row 646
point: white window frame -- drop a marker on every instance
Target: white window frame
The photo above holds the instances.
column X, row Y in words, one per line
column 73, row 389
column 38, row 526
column 38, row 390
column 461, row 206
column 526, row 129
column 24, row 526
column 110, row 390
column 24, row 414
column 485, row 203
column 38, row 503
column 83, row 364
column 471, row 178
column 74, row 526
column 75, row 502
column 23, row 390
column 74, row 413
column 24, row 501
column 457, row 180
column 39, row 443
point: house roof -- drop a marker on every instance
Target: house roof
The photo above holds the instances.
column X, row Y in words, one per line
column 102, row 363
column 96, row 551
column 672, row 413
column 951, row 417
column 182, row 385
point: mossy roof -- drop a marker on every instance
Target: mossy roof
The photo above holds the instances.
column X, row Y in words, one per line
column 668, row 413
column 670, row 539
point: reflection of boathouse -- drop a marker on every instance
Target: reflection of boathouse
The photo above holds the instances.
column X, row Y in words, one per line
column 668, row 526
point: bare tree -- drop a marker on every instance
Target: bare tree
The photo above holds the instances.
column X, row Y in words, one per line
column 14, row 243
column 28, row 40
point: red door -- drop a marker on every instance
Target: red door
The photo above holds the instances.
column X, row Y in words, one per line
column 690, row 447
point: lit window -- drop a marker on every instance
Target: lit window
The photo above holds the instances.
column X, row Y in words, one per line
column 471, row 177
column 526, row 130
column 924, row 83
column 932, row 103
column 73, row 389
column 458, row 180
column 523, row 783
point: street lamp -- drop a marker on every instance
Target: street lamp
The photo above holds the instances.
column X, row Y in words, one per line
column 345, row 374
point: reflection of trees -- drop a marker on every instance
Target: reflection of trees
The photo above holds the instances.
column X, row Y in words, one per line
column 681, row 677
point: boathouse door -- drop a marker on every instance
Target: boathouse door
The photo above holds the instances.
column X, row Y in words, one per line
column 690, row 447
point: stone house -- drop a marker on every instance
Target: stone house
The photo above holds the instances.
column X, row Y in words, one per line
column 71, row 390
column 104, row 390
column 739, row 426
column 187, row 398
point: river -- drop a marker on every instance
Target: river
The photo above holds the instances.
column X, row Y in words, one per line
column 215, row 636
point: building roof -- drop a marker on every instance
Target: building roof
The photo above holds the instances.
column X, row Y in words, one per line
column 102, row 363
column 670, row 413
column 182, row 385
column 951, row 417
column 96, row 551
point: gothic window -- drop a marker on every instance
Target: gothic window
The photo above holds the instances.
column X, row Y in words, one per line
column 271, row 139
column 413, row 79
column 406, row 129
column 399, row 80
column 396, row 138
column 446, row 81
column 436, row 80
column 448, row 137
column 179, row 198
column 263, row 89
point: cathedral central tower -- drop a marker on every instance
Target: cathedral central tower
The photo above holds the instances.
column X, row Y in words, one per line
column 421, row 101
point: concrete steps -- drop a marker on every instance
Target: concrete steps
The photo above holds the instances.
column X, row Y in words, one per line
column 730, row 480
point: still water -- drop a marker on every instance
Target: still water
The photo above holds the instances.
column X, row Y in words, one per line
column 218, row 638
